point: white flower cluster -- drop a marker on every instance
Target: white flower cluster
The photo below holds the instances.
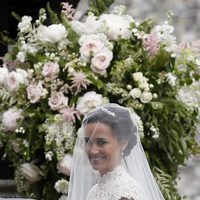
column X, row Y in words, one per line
column 155, row 131
column 164, row 35
column 59, row 137
column 171, row 78
column 143, row 91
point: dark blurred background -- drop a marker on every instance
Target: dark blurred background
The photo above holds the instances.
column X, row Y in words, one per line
column 23, row 7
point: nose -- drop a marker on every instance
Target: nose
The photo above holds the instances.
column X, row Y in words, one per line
column 93, row 149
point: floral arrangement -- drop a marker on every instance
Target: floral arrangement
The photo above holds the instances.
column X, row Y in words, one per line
column 54, row 74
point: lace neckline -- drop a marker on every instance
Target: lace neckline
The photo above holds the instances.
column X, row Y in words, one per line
column 109, row 175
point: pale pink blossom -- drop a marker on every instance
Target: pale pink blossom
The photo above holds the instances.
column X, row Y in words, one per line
column 90, row 48
column 58, row 101
column 79, row 80
column 70, row 114
column 36, row 92
column 10, row 119
column 50, row 71
column 101, row 61
column 151, row 44
column 67, row 10
column 64, row 166
column 14, row 80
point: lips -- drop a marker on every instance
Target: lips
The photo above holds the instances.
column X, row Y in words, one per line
column 96, row 159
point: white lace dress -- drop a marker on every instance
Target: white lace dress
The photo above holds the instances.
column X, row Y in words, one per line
column 114, row 186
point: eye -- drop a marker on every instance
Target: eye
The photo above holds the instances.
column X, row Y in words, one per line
column 101, row 142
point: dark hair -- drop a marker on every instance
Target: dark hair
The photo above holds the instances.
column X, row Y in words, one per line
column 118, row 118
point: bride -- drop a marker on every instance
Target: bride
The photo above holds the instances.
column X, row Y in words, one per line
column 109, row 162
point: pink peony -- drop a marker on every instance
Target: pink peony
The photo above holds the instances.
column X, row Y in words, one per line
column 50, row 71
column 10, row 119
column 64, row 165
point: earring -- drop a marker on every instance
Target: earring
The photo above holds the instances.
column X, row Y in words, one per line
column 122, row 153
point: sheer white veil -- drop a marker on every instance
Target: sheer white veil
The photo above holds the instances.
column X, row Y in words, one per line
column 83, row 177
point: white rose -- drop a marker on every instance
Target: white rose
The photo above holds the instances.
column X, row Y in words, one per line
column 13, row 81
column 116, row 26
column 50, row 71
column 58, row 101
column 89, row 48
column 64, row 165
column 53, row 33
column 3, row 75
column 61, row 186
column 35, row 92
column 101, row 61
column 88, row 102
column 135, row 93
column 10, row 119
column 137, row 76
column 24, row 74
column 31, row 172
column 146, row 97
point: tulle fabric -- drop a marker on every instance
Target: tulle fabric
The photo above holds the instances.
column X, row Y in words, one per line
column 83, row 177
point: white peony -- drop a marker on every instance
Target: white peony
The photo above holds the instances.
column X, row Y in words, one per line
column 146, row 97
column 89, row 101
column 3, row 75
column 135, row 93
column 64, row 165
column 116, row 26
column 10, row 119
column 101, row 61
column 90, row 26
column 53, row 33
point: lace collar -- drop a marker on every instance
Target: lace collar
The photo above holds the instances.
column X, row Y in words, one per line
column 119, row 170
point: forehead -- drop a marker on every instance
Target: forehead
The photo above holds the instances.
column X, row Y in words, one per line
column 98, row 130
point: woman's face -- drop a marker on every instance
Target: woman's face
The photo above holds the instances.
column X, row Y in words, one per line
column 102, row 147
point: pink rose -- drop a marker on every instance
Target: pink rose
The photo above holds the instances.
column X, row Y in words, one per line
column 58, row 101
column 50, row 71
column 10, row 119
column 36, row 92
column 101, row 61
